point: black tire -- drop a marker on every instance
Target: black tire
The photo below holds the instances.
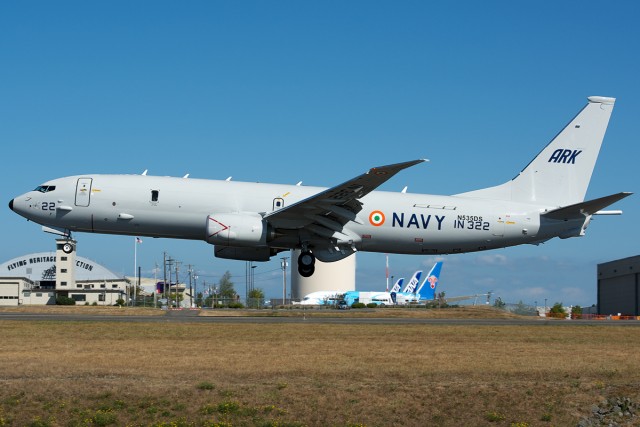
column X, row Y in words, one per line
column 67, row 248
column 306, row 271
column 306, row 259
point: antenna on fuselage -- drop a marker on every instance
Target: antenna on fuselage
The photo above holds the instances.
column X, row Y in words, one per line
column 145, row 172
column 228, row 179
column 186, row 176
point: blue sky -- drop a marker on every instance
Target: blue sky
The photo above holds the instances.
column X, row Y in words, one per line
column 320, row 92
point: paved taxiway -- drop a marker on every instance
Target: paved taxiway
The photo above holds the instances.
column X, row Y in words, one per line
column 193, row 317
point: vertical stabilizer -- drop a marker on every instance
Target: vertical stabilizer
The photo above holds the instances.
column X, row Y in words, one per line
column 427, row 289
column 560, row 174
column 413, row 283
column 398, row 285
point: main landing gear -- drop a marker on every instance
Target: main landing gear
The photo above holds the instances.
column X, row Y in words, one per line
column 306, row 264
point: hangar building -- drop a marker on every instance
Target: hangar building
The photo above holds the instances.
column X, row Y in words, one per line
column 39, row 278
column 619, row 287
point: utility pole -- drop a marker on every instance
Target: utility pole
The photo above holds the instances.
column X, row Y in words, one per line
column 190, row 288
column 168, row 294
column 177, row 282
column 284, row 279
column 155, row 286
column 247, row 270
column 164, row 279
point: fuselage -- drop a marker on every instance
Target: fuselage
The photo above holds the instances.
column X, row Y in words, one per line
column 171, row 207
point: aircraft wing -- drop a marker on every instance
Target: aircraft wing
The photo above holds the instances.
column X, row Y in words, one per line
column 327, row 212
column 579, row 210
column 463, row 298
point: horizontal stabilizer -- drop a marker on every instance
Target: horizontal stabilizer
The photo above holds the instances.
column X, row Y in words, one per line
column 590, row 207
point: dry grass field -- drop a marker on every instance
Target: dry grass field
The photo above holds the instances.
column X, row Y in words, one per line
column 55, row 373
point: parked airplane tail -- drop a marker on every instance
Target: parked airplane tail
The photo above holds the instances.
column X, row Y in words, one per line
column 559, row 175
column 427, row 289
column 413, row 282
column 398, row 285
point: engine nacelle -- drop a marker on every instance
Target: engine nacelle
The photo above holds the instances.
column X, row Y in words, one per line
column 236, row 229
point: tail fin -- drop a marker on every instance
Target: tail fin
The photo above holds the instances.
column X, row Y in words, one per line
column 397, row 286
column 428, row 292
column 560, row 173
column 413, row 283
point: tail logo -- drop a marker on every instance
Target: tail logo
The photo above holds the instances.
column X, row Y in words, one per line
column 433, row 280
column 562, row 155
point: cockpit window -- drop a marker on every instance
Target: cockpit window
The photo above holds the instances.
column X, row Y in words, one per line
column 45, row 188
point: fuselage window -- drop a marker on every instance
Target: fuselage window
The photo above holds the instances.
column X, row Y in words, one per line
column 154, row 195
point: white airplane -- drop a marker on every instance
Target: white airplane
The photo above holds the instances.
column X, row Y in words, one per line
column 255, row 221
column 322, row 298
column 332, row 297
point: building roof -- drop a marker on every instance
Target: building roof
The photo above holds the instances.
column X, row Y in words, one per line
column 40, row 266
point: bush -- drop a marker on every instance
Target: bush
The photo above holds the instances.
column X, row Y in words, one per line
column 62, row 300
column 358, row 305
column 235, row 305
column 372, row 305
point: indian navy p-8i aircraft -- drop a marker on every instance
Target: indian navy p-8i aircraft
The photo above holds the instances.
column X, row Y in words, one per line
column 255, row 221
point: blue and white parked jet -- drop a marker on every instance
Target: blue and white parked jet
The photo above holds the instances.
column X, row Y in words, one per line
column 412, row 294
column 426, row 291
column 332, row 297
column 255, row 221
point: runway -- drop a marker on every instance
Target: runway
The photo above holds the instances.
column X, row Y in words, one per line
column 187, row 316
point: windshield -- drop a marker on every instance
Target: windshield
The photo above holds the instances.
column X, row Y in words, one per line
column 45, row 188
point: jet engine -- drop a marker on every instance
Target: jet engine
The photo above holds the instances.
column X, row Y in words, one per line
column 238, row 229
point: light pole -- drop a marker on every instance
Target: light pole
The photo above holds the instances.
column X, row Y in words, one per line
column 284, row 279
column 252, row 282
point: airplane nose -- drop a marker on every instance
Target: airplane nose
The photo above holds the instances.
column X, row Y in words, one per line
column 11, row 204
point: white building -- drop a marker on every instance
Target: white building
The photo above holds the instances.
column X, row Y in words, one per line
column 37, row 279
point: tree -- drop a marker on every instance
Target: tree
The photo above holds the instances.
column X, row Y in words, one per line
column 557, row 311
column 226, row 291
column 199, row 299
column 498, row 303
column 255, row 299
column 523, row 310
column 576, row 312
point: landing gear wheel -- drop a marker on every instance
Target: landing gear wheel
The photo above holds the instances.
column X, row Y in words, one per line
column 306, row 259
column 306, row 264
column 67, row 248
column 306, row 271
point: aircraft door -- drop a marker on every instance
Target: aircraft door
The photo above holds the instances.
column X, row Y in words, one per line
column 83, row 191
column 278, row 203
column 497, row 227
